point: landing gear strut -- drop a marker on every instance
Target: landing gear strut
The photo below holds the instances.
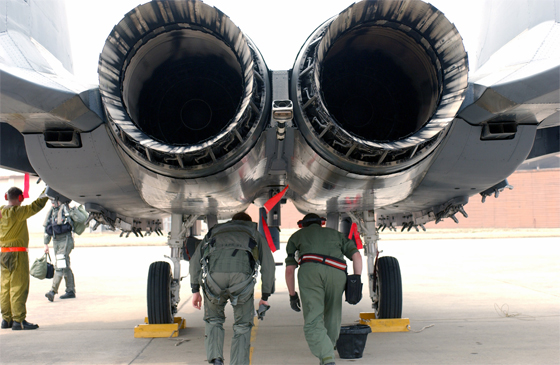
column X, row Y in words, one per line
column 384, row 274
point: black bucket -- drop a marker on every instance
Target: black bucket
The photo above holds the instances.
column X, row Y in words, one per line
column 352, row 341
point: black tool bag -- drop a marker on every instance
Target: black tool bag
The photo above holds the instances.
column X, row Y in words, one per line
column 50, row 268
column 353, row 289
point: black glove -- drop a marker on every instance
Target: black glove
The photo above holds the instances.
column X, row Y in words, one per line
column 353, row 289
column 262, row 310
column 295, row 303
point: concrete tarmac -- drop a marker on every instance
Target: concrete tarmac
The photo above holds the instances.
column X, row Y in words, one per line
column 489, row 301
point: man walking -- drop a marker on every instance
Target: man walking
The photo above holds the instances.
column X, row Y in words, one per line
column 58, row 227
column 226, row 264
column 321, row 279
column 14, row 242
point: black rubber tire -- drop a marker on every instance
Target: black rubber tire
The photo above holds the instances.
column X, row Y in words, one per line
column 159, row 293
column 389, row 286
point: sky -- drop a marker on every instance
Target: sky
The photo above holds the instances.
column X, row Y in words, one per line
column 278, row 28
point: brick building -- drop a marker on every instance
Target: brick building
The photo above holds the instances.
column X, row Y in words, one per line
column 534, row 202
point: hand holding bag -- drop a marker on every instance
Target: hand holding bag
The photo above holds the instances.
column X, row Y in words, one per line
column 39, row 268
column 42, row 268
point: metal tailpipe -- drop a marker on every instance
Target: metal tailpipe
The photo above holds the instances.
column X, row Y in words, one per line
column 377, row 85
column 185, row 91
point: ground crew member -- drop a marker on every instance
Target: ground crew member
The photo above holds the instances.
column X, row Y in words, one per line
column 321, row 279
column 225, row 264
column 59, row 227
column 14, row 242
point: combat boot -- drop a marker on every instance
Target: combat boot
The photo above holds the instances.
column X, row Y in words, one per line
column 50, row 295
column 68, row 295
column 6, row 324
column 24, row 325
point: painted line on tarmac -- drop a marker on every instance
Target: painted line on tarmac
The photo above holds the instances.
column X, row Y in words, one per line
column 254, row 330
column 253, row 338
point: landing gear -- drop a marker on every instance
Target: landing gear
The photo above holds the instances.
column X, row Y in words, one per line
column 159, row 293
column 164, row 285
column 384, row 273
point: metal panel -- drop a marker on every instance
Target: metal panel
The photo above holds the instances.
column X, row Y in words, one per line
column 93, row 173
column 467, row 165
column 506, row 19
column 12, row 150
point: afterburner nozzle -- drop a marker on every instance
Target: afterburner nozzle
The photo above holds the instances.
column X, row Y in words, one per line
column 185, row 91
column 377, row 85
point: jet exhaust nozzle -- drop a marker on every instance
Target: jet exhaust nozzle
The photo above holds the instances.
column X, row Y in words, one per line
column 377, row 85
column 185, row 91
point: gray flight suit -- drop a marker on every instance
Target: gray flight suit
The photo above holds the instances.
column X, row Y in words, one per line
column 320, row 286
column 231, row 277
column 63, row 244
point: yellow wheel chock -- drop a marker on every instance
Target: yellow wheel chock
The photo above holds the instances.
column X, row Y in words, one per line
column 384, row 325
column 159, row 330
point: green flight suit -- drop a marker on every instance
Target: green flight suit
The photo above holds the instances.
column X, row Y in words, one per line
column 15, row 265
column 63, row 244
column 230, row 277
column 320, row 286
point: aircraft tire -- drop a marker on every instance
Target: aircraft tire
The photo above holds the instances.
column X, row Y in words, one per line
column 389, row 287
column 159, row 293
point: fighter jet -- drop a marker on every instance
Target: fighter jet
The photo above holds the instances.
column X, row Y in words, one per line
column 381, row 123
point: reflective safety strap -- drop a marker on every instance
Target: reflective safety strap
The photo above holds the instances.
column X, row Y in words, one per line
column 15, row 249
column 321, row 259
